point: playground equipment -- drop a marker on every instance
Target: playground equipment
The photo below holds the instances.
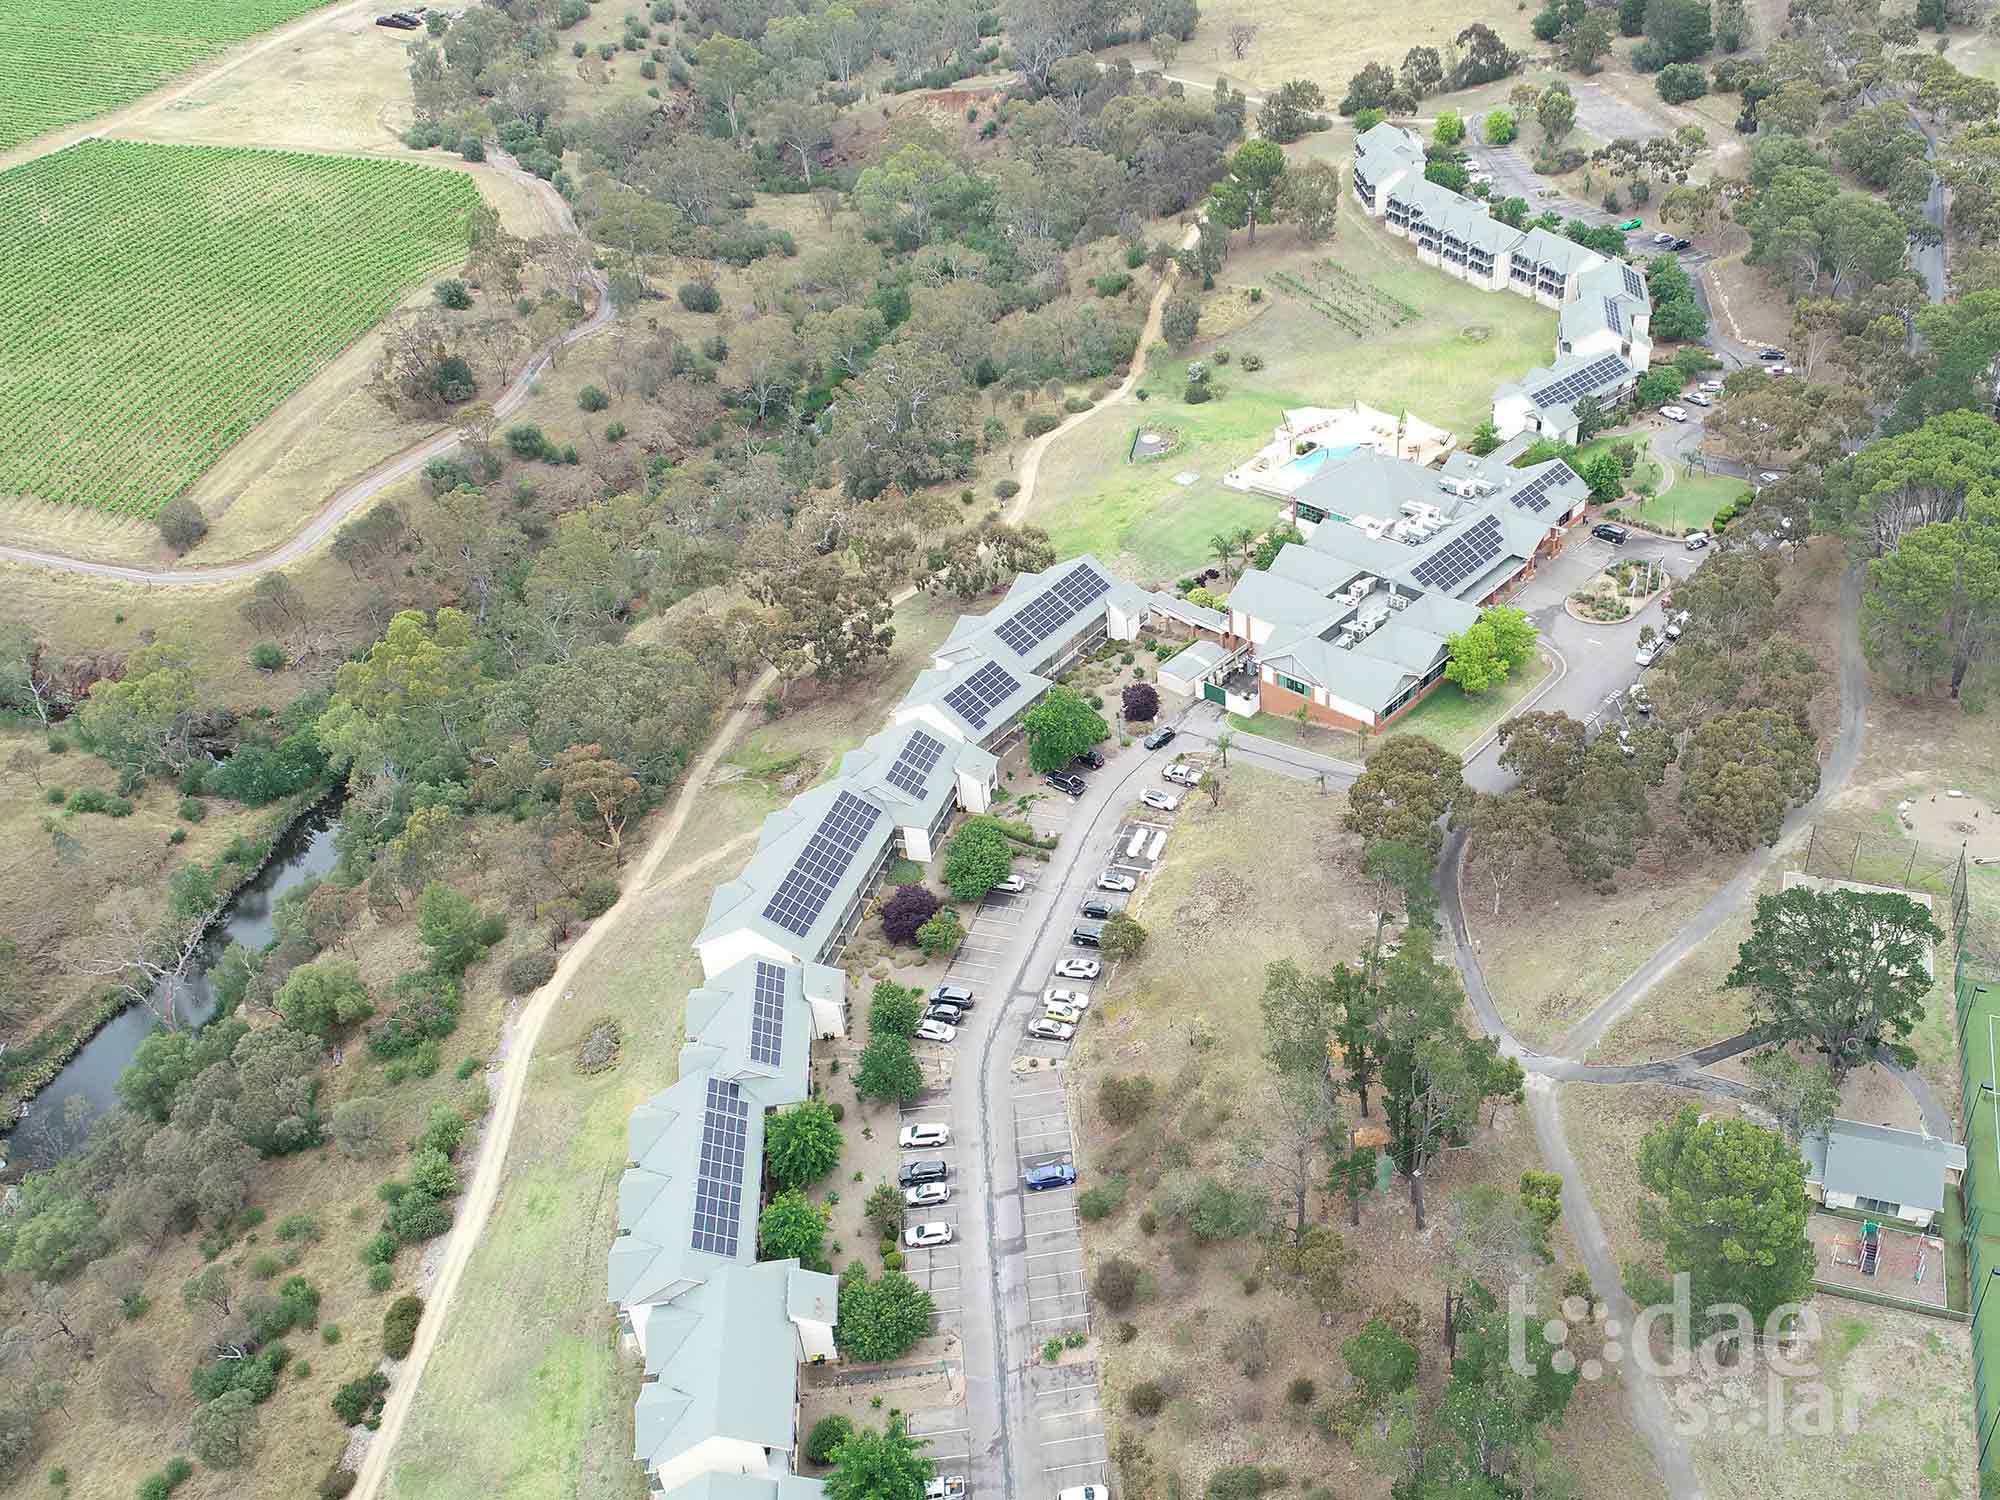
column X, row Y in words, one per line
column 1871, row 1246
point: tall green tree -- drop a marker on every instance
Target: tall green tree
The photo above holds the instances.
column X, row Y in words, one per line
column 1799, row 1094
column 1252, row 191
column 1844, row 971
column 886, row 1465
column 792, row 1227
column 1408, row 784
column 802, row 1144
column 1730, row 1211
column 1742, row 772
column 1488, row 651
column 1931, row 611
column 880, row 1319
column 1060, row 728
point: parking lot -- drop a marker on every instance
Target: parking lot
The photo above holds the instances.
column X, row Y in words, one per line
column 1069, row 1423
column 937, row 1268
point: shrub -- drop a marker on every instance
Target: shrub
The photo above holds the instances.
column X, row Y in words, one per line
column 1039, row 423
column 700, row 296
column 1300, row 1390
column 525, row 440
column 182, row 524
column 1101, row 1200
column 330, row 1334
column 453, row 293
column 264, row 1267
column 1141, row 702
column 380, row 1278
column 1180, row 320
column 906, row 911
column 1116, row 1284
column 399, row 1325
column 1243, row 1482
column 1678, row 83
column 299, row 1226
column 193, row 809
column 525, row 973
column 614, row 432
column 1146, row 1398
column 1197, row 392
column 600, row 893
column 941, row 934
column 1253, row 361
column 827, row 1434
column 1125, row 1097
column 339, row 1482
column 593, row 398
column 379, row 1248
column 360, row 1401
column 1076, row 405
column 1113, row 282
column 1007, row 489
column 267, row 656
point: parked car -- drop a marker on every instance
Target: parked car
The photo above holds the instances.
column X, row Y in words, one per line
column 1636, row 696
column 952, row 994
column 1044, row 1030
column 1711, row 385
column 1069, row 785
column 399, row 23
column 1777, row 369
column 1683, row 244
column 1182, row 774
column 1696, row 398
column 1610, row 531
column 1696, row 540
column 1674, row 413
column 1055, row 1010
column 1159, row 737
column 950, row 1015
column 1113, row 880
column 1091, row 759
column 1097, row 908
column 1767, row 477
column 1085, row 1492
column 1158, row 800
column 1649, row 653
column 1087, row 935
column 937, row 1232
column 927, row 1195
column 1773, row 355
column 914, row 1173
column 1076, row 999
column 1078, row 968
column 943, row 1488
column 1631, row 224
column 916, row 1137
column 1013, row 885
column 1663, row 238
column 1676, row 623
column 936, row 1031
column 1052, row 1174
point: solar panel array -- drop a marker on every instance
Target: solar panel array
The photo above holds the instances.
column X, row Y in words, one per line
column 1537, row 492
column 974, row 699
column 1055, row 606
column 1468, row 553
column 718, row 1188
column 1613, row 316
column 1578, row 384
column 1634, row 282
column 801, row 895
column 767, row 1014
column 919, row 758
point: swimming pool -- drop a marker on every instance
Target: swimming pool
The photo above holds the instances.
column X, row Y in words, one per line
column 1299, row 470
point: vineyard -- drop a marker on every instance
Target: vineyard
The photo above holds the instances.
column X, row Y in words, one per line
column 1341, row 297
column 67, row 60
column 160, row 301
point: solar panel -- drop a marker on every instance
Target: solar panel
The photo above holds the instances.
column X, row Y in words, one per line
column 1537, row 492
column 1634, row 282
column 801, row 895
column 1467, row 553
column 974, row 699
column 1038, row 619
column 767, row 1014
column 718, row 1189
column 919, row 756
column 1613, row 316
column 1593, row 377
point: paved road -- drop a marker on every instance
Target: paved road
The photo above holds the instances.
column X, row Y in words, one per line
column 357, row 495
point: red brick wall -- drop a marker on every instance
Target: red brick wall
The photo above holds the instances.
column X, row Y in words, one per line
column 1274, row 699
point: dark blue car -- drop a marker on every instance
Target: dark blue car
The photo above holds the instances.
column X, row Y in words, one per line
column 1052, row 1174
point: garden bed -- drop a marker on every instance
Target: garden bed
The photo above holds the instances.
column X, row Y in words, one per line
column 1617, row 594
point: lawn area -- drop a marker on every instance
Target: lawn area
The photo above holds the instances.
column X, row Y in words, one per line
column 527, row 1394
column 1646, row 471
column 1442, row 365
column 1690, row 503
column 1450, row 716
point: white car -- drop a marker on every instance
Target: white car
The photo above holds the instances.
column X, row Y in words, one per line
column 1696, row 398
column 1056, row 1010
column 1676, row 624
column 1696, row 540
column 1160, row 801
column 1647, row 654
column 1013, row 885
column 1767, row 477
column 927, row 1195
column 1112, row 880
column 935, row 1031
column 916, row 1137
column 1076, row 999
column 1663, row 239
column 1085, row 1492
column 1674, row 413
column 1078, row 968
column 1713, row 387
column 937, row 1232
column 1045, row 1030
column 943, row 1488
column 1777, row 369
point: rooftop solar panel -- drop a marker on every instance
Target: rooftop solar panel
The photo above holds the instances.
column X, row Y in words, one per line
column 915, row 763
column 1462, row 558
column 1613, row 316
column 1598, row 375
column 1537, row 492
column 1038, row 619
column 802, row 894
column 974, row 699
column 767, row 1014
column 718, row 1189
column 1634, row 282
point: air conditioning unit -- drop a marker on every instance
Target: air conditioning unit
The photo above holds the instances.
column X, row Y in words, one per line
column 1346, row 640
column 1370, row 625
column 1399, row 601
column 1424, row 514
column 1371, row 526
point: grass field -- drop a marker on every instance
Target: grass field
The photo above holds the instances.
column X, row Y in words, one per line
column 180, row 293
column 1442, row 365
column 1691, row 503
column 65, row 62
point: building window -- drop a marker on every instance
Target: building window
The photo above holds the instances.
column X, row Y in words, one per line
column 1877, row 1206
column 1293, row 685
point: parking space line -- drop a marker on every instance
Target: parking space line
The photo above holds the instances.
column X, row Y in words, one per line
column 1095, row 1463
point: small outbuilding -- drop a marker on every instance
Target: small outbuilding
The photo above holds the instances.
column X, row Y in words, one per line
column 1881, row 1171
